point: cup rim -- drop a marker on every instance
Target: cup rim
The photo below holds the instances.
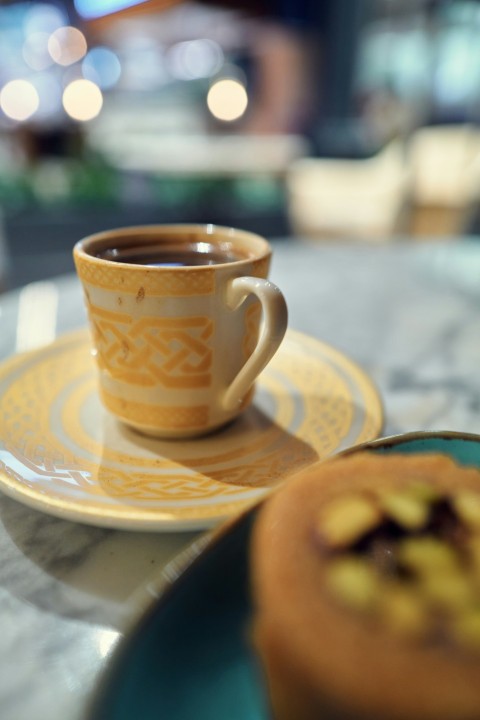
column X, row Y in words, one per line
column 262, row 250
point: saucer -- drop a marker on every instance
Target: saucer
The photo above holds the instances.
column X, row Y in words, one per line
column 61, row 452
column 188, row 655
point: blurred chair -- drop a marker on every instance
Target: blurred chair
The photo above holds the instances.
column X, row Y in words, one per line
column 356, row 199
column 445, row 162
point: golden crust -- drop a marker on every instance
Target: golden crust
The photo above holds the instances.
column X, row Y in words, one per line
column 318, row 653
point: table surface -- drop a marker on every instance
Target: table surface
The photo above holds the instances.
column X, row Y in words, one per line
column 409, row 314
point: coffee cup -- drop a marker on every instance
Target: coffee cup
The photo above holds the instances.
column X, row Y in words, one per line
column 182, row 321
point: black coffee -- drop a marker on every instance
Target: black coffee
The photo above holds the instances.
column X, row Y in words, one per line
column 172, row 254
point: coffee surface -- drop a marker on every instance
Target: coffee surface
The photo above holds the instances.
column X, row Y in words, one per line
column 172, row 254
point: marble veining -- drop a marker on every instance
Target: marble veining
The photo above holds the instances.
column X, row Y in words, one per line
column 409, row 314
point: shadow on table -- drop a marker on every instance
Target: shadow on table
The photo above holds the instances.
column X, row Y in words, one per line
column 75, row 570
column 251, row 452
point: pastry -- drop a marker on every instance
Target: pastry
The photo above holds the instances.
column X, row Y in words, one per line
column 366, row 590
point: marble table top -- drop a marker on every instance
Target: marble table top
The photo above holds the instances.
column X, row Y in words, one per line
column 409, row 314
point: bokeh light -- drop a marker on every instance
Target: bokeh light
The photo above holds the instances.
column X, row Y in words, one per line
column 102, row 67
column 67, row 45
column 227, row 99
column 195, row 59
column 35, row 51
column 44, row 18
column 19, row 99
column 82, row 100
column 97, row 8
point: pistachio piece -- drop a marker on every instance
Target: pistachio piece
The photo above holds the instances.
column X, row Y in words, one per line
column 353, row 581
column 424, row 492
column 451, row 591
column 466, row 629
column 427, row 555
column 344, row 521
column 403, row 610
column 467, row 507
column 407, row 509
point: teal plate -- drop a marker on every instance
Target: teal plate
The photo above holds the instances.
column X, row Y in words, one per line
column 188, row 657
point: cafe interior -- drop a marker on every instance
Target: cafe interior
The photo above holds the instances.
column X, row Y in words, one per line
column 347, row 134
column 268, row 118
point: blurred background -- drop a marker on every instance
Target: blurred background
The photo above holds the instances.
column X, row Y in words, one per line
column 341, row 119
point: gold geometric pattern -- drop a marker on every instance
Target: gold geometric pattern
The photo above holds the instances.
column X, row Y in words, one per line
column 160, row 416
column 171, row 352
column 66, row 476
column 197, row 281
column 74, row 460
column 140, row 486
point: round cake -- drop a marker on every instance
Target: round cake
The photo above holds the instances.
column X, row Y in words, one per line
column 366, row 588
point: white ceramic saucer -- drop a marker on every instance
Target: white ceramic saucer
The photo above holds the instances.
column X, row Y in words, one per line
column 61, row 452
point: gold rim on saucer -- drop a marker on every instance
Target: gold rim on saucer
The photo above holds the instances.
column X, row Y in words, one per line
column 64, row 454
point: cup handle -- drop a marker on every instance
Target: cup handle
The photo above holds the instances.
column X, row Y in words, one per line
column 275, row 319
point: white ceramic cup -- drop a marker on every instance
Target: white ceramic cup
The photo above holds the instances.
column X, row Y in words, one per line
column 179, row 348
